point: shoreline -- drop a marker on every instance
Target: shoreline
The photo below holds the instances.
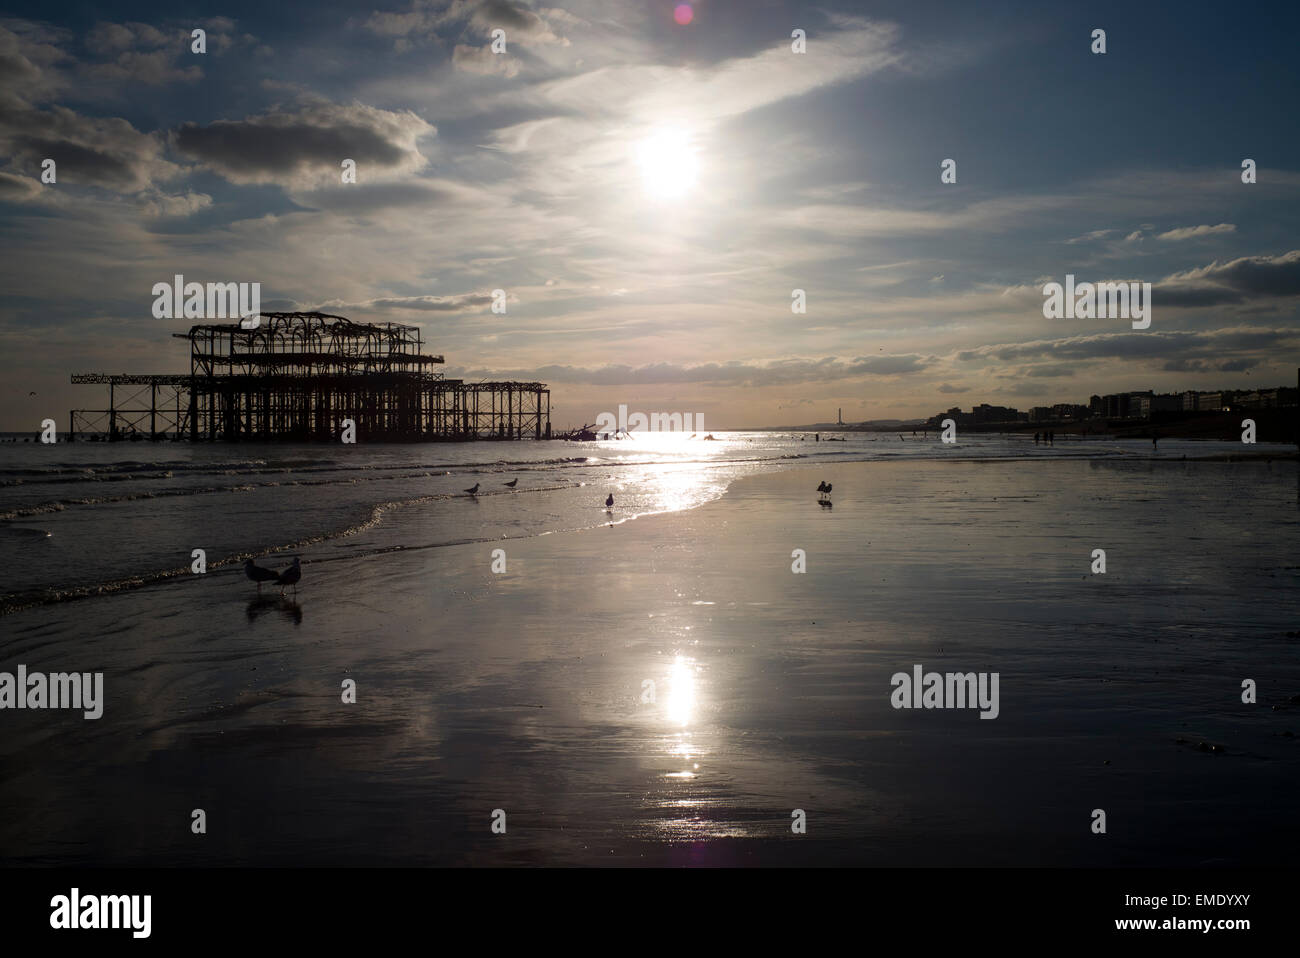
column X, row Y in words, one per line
column 16, row 603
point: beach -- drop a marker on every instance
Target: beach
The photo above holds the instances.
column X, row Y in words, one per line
column 526, row 691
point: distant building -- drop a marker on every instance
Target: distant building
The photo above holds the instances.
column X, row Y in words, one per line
column 1140, row 404
column 1135, row 405
column 983, row 413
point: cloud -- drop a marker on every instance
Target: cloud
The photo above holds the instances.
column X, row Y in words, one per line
column 15, row 188
column 306, row 148
column 1251, row 275
column 1236, row 281
column 1092, row 237
column 705, row 95
column 1150, row 345
column 483, row 61
column 425, row 19
column 950, row 388
column 1207, row 366
column 106, row 152
column 776, row 373
column 1192, row 232
column 140, row 53
column 462, row 302
column 30, row 57
column 160, row 204
column 369, row 198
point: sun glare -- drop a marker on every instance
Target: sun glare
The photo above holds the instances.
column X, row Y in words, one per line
column 668, row 163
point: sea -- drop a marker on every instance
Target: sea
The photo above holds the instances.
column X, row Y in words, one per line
column 90, row 518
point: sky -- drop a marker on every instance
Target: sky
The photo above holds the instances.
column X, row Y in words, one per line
column 648, row 185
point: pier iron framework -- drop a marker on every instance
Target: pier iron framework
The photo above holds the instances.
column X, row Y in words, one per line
column 298, row 376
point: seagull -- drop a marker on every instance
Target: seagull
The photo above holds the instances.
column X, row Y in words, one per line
column 821, row 486
column 291, row 576
column 609, row 501
column 258, row 574
column 474, row 491
column 827, row 490
column 512, row 483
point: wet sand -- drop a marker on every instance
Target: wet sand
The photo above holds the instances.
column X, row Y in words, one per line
column 524, row 691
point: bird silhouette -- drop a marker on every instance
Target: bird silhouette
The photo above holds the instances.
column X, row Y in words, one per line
column 512, row 483
column 258, row 574
column 609, row 501
column 821, row 486
column 291, row 576
column 474, row 491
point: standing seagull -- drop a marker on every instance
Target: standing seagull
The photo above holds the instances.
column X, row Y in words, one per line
column 258, row 574
column 474, row 491
column 512, row 483
column 609, row 501
column 291, row 576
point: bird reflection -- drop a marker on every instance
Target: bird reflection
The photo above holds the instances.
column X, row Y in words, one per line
column 263, row 604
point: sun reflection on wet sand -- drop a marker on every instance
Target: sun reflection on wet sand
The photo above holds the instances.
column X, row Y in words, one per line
column 681, row 693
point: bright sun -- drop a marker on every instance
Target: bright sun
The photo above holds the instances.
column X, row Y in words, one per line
column 668, row 164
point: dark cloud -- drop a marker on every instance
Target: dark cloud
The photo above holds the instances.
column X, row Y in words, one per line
column 1236, row 281
column 306, row 148
column 1027, row 389
column 30, row 60
column 1206, row 366
column 88, row 151
column 1259, row 275
column 1146, row 345
column 732, row 373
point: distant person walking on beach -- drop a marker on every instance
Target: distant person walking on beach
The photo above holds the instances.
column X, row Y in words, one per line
column 1035, row 439
column 1154, row 447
